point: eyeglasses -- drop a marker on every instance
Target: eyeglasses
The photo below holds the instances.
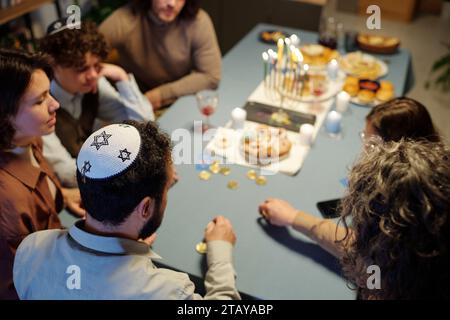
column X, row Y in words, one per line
column 369, row 140
column 362, row 136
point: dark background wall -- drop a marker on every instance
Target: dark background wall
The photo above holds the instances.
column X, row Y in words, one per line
column 235, row 18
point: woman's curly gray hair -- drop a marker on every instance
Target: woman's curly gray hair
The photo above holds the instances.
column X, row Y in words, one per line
column 398, row 202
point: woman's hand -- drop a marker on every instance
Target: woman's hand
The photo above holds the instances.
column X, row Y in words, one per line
column 278, row 212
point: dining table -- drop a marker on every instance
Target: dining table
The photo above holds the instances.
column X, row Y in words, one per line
column 270, row 262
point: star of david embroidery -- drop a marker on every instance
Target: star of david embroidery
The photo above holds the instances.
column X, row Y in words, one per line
column 86, row 167
column 101, row 140
column 124, row 155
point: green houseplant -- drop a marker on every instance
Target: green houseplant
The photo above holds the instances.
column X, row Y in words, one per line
column 101, row 9
column 440, row 72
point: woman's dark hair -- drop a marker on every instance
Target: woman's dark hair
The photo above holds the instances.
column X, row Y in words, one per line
column 399, row 206
column 16, row 69
column 402, row 118
column 188, row 12
column 112, row 200
column 68, row 47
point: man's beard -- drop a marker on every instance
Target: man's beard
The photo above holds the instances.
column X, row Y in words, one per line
column 153, row 224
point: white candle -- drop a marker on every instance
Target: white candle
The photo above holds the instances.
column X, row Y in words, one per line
column 238, row 115
column 280, row 46
column 342, row 101
column 272, row 67
column 306, row 134
column 333, row 69
column 272, row 53
column 293, row 53
column 265, row 57
column 306, row 68
column 295, row 40
column 333, row 122
column 287, row 41
column 299, row 55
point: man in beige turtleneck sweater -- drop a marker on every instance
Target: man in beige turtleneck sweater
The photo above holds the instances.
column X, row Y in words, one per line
column 169, row 45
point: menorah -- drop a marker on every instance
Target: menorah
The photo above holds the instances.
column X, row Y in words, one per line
column 285, row 77
column 288, row 80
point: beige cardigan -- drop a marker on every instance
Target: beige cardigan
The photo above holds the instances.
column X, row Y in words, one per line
column 178, row 58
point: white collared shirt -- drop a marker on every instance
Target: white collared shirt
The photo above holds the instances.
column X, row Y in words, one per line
column 108, row 268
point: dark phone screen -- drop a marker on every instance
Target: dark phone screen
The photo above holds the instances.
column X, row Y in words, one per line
column 329, row 209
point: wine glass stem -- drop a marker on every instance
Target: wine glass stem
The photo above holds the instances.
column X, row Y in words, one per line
column 207, row 122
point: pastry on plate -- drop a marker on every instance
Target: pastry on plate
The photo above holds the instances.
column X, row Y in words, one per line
column 351, row 89
column 384, row 95
column 266, row 144
column 362, row 65
column 352, row 80
column 378, row 43
column 313, row 50
column 272, row 36
column 386, row 85
column 366, row 96
column 318, row 55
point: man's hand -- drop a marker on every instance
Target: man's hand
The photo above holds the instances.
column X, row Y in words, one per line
column 72, row 200
column 278, row 212
column 154, row 96
column 113, row 72
column 220, row 229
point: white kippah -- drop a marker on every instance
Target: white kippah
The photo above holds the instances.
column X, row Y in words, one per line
column 109, row 151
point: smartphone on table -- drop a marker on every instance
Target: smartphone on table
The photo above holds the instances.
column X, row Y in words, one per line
column 330, row 208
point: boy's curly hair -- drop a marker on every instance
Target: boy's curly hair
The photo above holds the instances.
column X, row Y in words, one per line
column 68, row 47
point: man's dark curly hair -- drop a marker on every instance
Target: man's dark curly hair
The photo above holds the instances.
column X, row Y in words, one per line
column 188, row 12
column 68, row 47
column 399, row 204
column 16, row 69
column 112, row 200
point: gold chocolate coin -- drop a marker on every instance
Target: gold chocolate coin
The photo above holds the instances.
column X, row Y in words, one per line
column 251, row 174
column 201, row 247
column 232, row 184
column 214, row 167
column 225, row 171
column 204, row 175
column 261, row 180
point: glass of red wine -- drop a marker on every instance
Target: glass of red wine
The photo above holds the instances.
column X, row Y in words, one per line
column 328, row 32
column 318, row 87
column 207, row 101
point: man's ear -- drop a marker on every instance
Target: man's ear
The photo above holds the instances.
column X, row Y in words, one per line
column 145, row 208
